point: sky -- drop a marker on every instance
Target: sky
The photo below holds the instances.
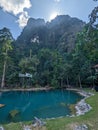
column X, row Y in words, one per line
column 14, row 14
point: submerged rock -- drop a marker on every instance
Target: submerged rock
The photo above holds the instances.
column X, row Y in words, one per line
column 2, row 105
column 63, row 104
column 72, row 109
column 13, row 113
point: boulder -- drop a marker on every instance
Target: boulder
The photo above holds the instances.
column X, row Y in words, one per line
column 81, row 127
column 82, row 107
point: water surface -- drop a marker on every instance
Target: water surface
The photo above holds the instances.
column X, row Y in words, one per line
column 42, row 104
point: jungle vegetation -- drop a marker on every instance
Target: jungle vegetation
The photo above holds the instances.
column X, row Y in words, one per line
column 55, row 54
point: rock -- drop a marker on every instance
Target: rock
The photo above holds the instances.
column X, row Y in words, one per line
column 26, row 127
column 2, row 105
column 63, row 104
column 72, row 109
column 82, row 107
column 1, row 128
column 13, row 113
column 86, row 94
column 81, row 127
column 38, row 122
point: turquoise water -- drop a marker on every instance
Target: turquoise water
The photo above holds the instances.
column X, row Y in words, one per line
column 42, row 104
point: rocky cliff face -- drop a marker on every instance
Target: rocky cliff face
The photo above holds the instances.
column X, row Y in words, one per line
column 60, row 33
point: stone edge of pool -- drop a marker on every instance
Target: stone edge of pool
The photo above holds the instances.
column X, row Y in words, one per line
column 82, row 107
column 27, row 89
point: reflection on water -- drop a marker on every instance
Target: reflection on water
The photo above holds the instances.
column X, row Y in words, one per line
column 43, row 104
column 0, row 94
column 26, row 106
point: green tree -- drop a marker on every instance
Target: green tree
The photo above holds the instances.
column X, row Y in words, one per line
column 6, row 46
column 45, row 66
column 29, row 65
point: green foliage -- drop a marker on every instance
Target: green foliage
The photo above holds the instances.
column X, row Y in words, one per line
column 29, row 64
column 5, row 48
column 51, row 53
column 85, row 54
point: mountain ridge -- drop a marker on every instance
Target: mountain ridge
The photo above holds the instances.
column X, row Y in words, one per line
column 61, row 30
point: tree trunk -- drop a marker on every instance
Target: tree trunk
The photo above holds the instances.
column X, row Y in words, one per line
column 30, row 53
column 61, row 83
column 80, row 82
column 67, row 82
column 3, row 76
column 4, row 69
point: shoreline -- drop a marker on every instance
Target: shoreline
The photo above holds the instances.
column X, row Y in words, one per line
column 81, row 107
column 37, row 89
column 26, row 89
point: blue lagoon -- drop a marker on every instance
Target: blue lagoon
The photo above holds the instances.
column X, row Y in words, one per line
column 42, row 104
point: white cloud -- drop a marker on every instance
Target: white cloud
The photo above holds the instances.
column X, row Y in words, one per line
column 57, row 0
column 17, row 7
column 23, row 18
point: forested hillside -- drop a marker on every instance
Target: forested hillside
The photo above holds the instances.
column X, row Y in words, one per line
column 58, row 53
column 60, row 33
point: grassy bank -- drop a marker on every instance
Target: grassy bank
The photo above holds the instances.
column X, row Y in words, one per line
column 67, row 123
